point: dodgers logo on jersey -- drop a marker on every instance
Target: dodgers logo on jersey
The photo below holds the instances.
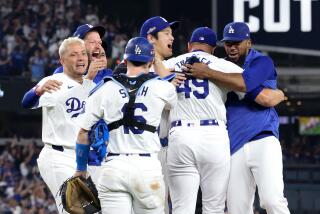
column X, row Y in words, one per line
column 75, row 105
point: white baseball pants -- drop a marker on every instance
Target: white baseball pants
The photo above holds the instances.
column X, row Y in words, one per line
column 198, row 155
column 131, row 182
column 258, row 163
column 56, row 167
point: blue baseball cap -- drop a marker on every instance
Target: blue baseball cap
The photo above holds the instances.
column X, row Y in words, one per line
column 156, row 24
column 82, row 30
column 139, row 49
column 204, row 35
column 236, row 32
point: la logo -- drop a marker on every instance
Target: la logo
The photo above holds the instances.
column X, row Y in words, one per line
column 137, row 50
column 231, row 30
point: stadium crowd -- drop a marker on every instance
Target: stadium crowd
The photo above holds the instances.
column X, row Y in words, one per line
column 31, row 30
column 21, row 187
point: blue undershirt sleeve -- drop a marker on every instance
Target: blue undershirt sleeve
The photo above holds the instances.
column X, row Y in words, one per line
column 30, row 99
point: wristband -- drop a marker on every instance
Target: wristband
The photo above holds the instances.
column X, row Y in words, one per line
column 82, row 153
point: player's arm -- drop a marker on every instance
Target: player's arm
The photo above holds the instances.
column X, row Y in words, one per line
column 31, row 97
column 159, row 68
column 82, row 153
column 270, row 97
column 233, row 81
column 266, row 97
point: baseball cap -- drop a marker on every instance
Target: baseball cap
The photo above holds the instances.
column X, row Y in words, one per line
column 204, row 35
column 82, row 30
column 139, row 49
column 236, row 32
column 156, row 24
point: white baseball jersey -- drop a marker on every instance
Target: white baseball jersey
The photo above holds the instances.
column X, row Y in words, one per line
column 108, row 102
column 201, row 99
column 60, row 109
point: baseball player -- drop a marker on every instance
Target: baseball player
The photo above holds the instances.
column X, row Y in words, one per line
column 159, row 31
column 96, row 71
column 198, row 151
column 97, row 63
column 56, row 160
column 252, row 124
column 132, row 105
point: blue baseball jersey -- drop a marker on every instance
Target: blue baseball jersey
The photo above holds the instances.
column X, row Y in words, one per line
column 100, row 75
column 245, row 118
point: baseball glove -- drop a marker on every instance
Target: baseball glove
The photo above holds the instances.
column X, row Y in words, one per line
column 80, row 196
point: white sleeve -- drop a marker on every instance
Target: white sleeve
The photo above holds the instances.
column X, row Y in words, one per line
column 170, row 63
column 47, row 99
column 93, row 110
column 226, row 66
column 172, row 97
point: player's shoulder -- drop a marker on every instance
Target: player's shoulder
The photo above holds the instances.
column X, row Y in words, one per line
column 257, row 56
column 226, row 66
column 101, row 84
column 57, row 76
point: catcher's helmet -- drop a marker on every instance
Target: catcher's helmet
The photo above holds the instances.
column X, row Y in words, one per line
column 139, row 49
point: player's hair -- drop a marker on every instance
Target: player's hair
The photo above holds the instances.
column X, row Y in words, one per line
column 137, row 64
column 67, row 42
column 155, row 35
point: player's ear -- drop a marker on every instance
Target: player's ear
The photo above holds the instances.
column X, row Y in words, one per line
column 61, row 61
column 151, row 38
column 249, row 43
column 189, row 47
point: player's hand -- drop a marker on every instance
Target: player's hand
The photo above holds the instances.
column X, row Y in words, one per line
column 197, row 70
column 80, row 173
column 49, row 86
column 95, row 66
column 179, row 79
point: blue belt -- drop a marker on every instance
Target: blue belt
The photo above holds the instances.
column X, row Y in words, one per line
column 211, row 122
column 127, row 154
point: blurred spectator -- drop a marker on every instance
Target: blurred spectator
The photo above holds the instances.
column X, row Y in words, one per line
column 37, row 64
column 21, row 187
column 18, row 60
column 4, row 61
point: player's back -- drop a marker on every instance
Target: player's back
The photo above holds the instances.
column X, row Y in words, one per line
column 201, row 99
column 152, row 97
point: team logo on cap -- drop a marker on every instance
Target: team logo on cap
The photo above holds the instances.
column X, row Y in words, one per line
column 151, row 30
column 137, row 50
column 90, row 26
column 201, row 38
column 231, row 30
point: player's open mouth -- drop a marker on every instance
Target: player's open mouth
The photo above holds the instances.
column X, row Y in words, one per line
column 95, row 54
column 170, row 46
column 232, row 55
column 80, row 65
